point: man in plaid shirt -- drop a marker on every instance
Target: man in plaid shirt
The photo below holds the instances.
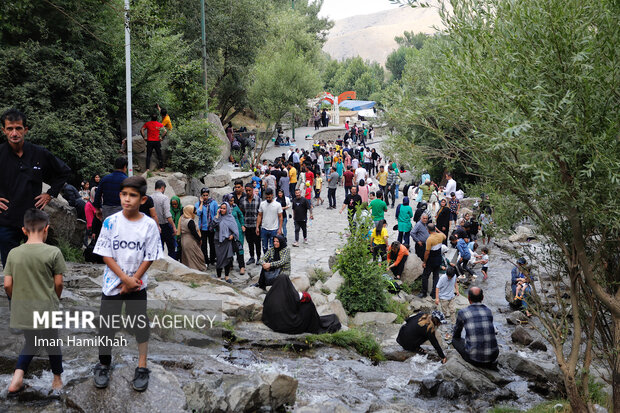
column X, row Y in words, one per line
column 249, row 206
column 479, row 347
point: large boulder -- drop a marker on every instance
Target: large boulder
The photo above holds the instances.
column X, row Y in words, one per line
column 334, row 282
column 217, row 179
column 218, row 193
column 240, row 393
column 163, row 395
column 195, row 185
column 218, row 129
column 169, row 192
column 64, row 224
column 373, row 318
column 189, row 200
column 521, row 336
column 301, row 282
column 413, row 268
column 469, row 203
column 178, row 182
column 522, row 234
column 334, row 307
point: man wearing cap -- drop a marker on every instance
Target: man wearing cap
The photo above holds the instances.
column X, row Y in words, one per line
column 479, row 347
column 206, row 209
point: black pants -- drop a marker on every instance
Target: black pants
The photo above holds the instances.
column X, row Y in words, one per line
column 385, row 193
column 391, row 191
column 464, row 266
column 347, row 189
column 226, row 270
column 301, row 225
column 135, row 310
column 168, row 239
column 427, row 272
column 29, row 350
column 380, row 250
column 211, row 239
column 10, row 237
column 331, row 197
column 398, row 270
column 459, row 345
column 291, row 189
column 150, row 145
column 204, row 244
column 420, row 250
column 253, row 242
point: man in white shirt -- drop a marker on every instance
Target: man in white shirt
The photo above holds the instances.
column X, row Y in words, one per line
column 164, row 218
column 451, row 185
column 361, row 173
column 269, row 220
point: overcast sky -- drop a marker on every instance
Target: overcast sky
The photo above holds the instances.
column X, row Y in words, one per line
column 339, row 9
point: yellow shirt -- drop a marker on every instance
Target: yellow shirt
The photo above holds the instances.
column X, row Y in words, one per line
column 379, row 240
column 292, row 175
column 382, row 177
column 318, row 182
column 166, row 122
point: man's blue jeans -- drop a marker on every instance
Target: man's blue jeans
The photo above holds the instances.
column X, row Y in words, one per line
column 10, row 238
column 266, row 236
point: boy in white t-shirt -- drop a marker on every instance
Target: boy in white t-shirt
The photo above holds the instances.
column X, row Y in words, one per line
column 129, row 243
column 484, row 261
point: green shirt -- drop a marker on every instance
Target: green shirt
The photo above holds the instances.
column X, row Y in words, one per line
column 378, row 207
column 33, row 267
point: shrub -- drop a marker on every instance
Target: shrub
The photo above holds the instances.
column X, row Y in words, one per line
column 398, row 308
column 193, row 147
column 363, row 342
column 69, row 252
column 318, row 274
column 363, row 289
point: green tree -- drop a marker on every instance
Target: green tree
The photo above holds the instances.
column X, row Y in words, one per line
column 533, row 89
column 411, row 40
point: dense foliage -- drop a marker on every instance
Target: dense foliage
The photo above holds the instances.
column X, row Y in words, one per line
column 193, row 147
column 363, row 289
column 367, row 79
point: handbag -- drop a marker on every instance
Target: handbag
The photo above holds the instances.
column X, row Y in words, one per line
column 236, row 244
column 271, row 275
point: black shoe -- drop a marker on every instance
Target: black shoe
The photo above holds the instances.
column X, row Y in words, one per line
column 254, row 285
column 250, row 261
column 421, row 295
column 101, row 376
column 141, row 379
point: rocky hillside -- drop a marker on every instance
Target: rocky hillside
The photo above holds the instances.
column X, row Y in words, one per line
column 371, row 36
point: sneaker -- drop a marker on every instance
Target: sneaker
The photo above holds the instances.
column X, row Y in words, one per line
column 141, row 379
column 101, row 376
column 250, row 261
column 295, row 244
column 305, row 241
column 229, row 281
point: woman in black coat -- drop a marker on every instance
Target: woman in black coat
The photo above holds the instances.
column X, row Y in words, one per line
column 420, row 328
column 443, row 219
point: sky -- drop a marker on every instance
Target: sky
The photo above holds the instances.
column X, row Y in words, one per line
column 339, row 9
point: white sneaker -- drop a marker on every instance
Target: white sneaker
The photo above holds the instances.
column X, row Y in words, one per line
column 305, row 241
column 295, row 244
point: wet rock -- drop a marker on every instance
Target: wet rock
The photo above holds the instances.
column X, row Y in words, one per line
column 217, row 179
column 396, row 353
column 413, row 268
column 301, row 282
column 522, row 234
column 240, row 393
column 448, row 390
column 521, row 336
column 516, row 318
column 194, row 339
column 537, row 345
column 334, row 307
column 334, row 282
column 373, row 318
column 164, row 393
column 324, row 407
column 541, row 372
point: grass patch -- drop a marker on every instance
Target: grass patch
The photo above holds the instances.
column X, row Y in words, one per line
column 193, row 285
column 149, row 174
column 398, row 308
column 326, row 290
column 70, row 253
column 318, row 274
column 363, row 342
column 226, row 325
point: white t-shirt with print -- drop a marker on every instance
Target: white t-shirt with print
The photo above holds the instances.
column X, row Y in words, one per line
column 129, row 243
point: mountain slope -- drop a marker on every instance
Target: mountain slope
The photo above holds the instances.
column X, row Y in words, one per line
column 371, row 36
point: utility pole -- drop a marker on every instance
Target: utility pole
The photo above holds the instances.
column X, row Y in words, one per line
column 204, row 54
column 293, row 112
column 128, row 91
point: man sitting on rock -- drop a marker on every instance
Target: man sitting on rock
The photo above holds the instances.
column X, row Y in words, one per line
column 479, row 347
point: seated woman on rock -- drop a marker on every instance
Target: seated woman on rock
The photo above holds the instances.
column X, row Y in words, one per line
column 276, row 258
column 285, row 310
column 420, row 328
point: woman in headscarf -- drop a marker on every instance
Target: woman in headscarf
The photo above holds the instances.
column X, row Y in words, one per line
column 404, row 213
column 419, row 328
column 226, row 232
column 238, row 215
column 285, row 310
column 191, row 254
column 176, row 210
column 363, row 190
column 443, row 219
column 277, row 257
column 419, row 211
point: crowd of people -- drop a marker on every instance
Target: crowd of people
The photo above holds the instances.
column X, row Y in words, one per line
column 120, row 216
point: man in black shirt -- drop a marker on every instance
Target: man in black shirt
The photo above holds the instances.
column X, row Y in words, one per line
column 301, row 206
column 25, row 167
column 352, row 201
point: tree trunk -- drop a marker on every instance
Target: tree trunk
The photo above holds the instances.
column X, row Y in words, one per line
column 577, row 404
column 615, row 381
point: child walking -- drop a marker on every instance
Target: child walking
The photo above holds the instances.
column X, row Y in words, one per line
column 33, row 282
column 129, row 243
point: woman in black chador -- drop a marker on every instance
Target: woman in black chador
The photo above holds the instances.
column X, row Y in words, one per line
column 285, row 310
